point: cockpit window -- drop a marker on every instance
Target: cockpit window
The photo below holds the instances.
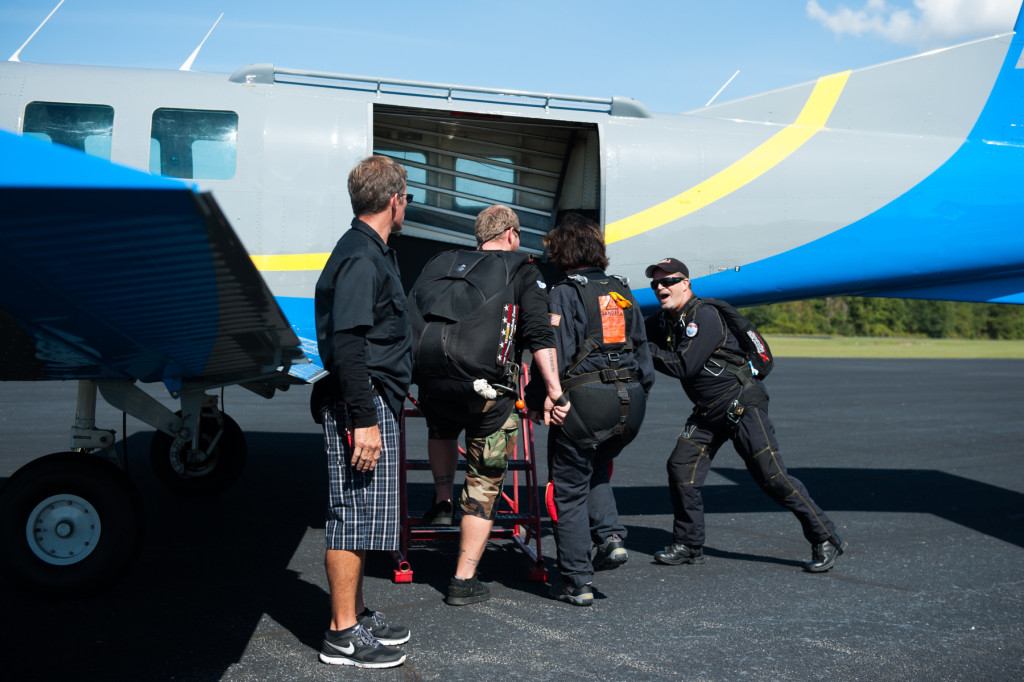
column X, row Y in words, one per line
column 193, row 144
column 85, row 127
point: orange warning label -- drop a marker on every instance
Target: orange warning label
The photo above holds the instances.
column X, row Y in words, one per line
column 613, row 322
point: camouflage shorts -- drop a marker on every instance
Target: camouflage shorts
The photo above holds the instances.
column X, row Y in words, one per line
column 486, row 463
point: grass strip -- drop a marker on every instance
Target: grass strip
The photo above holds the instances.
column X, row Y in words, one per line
column 785, row 346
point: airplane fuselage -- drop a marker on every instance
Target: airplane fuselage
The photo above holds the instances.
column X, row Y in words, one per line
column 863, row 182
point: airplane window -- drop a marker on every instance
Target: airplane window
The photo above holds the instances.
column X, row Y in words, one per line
column 98, row 145
column 194, row 144
column 85, row 127
column 412, row 173
column 490, row 193
column 214, row 159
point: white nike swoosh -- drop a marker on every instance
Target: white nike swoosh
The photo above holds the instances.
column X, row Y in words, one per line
column 348, row 649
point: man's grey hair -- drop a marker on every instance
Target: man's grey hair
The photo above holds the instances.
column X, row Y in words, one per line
column 373, row 182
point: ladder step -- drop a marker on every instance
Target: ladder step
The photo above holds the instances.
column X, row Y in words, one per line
column 503, row 517
column 424, row 464
column 417, row 533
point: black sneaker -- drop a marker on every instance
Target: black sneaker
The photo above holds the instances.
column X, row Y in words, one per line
column 823, row 554
column 673, row 555
column 440, row 514
column 610, row 554
column 578, row 596
column 381, row 630
column 462, row 592
column 356, row 646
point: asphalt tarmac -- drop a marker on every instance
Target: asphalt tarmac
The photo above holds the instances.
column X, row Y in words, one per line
column 919, row 463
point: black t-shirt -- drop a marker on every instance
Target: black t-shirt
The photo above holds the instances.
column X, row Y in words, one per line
column 360, row 293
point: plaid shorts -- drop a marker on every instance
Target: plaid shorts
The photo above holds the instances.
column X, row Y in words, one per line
column 363, row 506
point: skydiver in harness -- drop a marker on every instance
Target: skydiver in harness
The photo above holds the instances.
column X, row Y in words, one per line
column 691, row 341
column 606, row 370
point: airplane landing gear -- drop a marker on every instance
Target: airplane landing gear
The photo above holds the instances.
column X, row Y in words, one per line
column 208, row 469
column 70, row 525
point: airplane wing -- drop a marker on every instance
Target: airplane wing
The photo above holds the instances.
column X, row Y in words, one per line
column 110, row 273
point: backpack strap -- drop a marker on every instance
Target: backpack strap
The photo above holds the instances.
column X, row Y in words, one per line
column 594, row 329
column 613, row 374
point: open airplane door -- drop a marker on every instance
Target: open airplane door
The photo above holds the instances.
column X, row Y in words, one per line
column 109, row 276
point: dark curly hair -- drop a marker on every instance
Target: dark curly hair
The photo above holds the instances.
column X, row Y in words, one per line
column 576, row 243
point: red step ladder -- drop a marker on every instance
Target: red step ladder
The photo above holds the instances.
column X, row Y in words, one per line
column 519, row 507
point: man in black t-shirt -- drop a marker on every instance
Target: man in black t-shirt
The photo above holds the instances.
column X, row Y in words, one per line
column 364, row 339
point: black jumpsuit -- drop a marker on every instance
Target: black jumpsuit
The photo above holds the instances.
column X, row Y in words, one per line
column 594, row 433
column 684, row 346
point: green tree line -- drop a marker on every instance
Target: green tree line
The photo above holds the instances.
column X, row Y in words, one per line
column 855, row 316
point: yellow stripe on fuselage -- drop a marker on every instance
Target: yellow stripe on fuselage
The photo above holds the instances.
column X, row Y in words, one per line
column 812, row 118
column 291, row 262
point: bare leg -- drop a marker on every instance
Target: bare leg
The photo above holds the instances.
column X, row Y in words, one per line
column 475, row 532
column 345, row 579
column 444, row 456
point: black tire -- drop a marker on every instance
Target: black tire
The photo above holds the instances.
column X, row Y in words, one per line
column 87, row 498
column 212, row 473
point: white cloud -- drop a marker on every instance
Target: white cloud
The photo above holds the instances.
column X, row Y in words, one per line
column 929, row 24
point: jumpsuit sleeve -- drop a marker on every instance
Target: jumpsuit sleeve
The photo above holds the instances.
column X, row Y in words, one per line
column 560, row 323
column 662, row 357
column 690, row 352
column 645, row 364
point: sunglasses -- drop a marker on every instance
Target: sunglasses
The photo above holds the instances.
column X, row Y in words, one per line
column 408, row 198
column 666, row 282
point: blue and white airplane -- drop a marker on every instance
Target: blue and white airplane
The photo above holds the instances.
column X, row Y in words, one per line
column 898, row 180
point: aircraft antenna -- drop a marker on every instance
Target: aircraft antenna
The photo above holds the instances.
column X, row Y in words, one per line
column 187, row 66
column 722, row 88
column 14, row 57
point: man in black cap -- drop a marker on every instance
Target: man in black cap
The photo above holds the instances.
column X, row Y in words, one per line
column 692, row 342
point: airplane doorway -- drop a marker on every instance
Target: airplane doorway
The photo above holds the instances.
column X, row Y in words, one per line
column 460, row 163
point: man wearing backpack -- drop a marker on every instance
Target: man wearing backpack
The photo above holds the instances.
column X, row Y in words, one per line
column 690, row 340
column 464, row 389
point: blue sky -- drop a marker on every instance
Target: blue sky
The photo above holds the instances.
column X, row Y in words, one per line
column 670, row 55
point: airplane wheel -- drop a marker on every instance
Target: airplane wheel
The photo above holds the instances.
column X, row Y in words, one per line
column 211, row 469
column 70, row 525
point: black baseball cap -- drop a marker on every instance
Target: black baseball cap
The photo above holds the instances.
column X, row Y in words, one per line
column 668, row 265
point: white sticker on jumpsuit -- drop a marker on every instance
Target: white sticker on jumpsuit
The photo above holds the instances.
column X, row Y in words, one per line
column 691, row 329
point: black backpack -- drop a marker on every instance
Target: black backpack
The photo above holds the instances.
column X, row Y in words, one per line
column 464, row 315
column 755, row 348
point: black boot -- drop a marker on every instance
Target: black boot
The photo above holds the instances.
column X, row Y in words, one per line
column 674, row 555
column 610, row 554
column 823, row 554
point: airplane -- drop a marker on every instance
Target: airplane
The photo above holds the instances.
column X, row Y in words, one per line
column 897, row 180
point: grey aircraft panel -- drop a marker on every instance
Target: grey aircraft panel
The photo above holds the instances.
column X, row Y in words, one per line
column 939, row 94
